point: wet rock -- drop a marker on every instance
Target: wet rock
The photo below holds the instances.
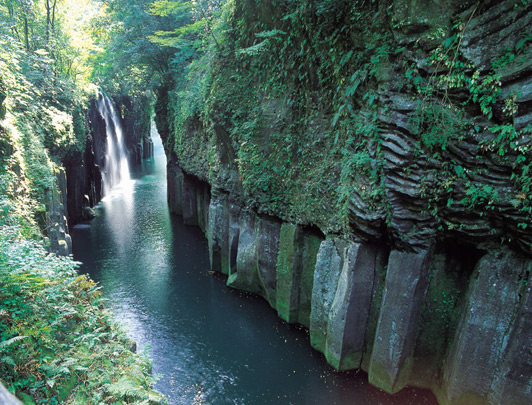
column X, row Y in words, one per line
column 244, row 275
column 88, row 213
column 513, row 384
column 60, row 241
column 132, row 346
column 329, row 263
column 203, row 200
column 174, row 187
column 404, row 292
column 349, row 312
column 190, row 203
column 310, row 245
column 268, row 231
column 296, row 261
column 233, row 234
column 218, row 233
column 483, row 341
column 288, row 274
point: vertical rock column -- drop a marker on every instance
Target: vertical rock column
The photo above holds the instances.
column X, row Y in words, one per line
column 190, row 203
column 349, row 314
column 341, row 300
column 288, row 274
column 329, row 264
column 218, row 232
column 60, row 241
column 256, row 259
column 174, row 179
column 404, row 293
column 203, row 200
column 484, row 347
column 244, row 274
column 295, row 273
column 234, row 233
column 514, row 384
column 268, row 231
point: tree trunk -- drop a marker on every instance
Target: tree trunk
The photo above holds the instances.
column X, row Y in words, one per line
column 26, row 33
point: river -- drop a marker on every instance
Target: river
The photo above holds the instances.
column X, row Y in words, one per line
column 209, row 344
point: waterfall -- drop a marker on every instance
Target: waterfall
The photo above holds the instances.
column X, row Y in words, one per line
column 116, row 170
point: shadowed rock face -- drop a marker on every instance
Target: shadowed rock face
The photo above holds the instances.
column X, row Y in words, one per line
column 495, row 309
column 419, row 289
column 57, row 226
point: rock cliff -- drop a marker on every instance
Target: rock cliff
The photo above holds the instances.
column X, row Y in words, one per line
column 365, row 168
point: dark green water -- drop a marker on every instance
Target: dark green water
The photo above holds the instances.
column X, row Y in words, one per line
column 209, row 344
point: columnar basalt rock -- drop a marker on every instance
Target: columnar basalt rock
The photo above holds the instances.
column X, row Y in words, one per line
column 404, row 293
column 268, row 230
column 288, row 274
column 203, row 200
column 218, row 233
column 57, row 225
column 349, row 313
column 298, row 250
column 174, row 181
column 418, row 271
column 244, row 275
column 234, row 235
column 190, row 201
column 329, row 263
column 497, row 301
column 343, row 288
column 512, row 382
column 363, row 304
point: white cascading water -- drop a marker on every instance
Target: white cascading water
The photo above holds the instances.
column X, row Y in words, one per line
column 116, row 170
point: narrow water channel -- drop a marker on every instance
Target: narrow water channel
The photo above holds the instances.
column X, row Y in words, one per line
column 208, row 344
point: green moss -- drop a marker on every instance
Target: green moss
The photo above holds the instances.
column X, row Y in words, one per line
column 311, row 245
column 347, row 361
column 287, row 279
column 318, row 340
column 381, row 378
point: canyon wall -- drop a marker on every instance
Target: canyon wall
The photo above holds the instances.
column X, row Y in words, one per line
column 365, row 168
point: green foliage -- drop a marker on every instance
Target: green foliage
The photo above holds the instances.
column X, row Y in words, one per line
column 457, row 102
column 275, row 88
column 57, row 342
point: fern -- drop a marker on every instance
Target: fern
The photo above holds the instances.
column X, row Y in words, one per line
column 9, row 342
column 126, row 388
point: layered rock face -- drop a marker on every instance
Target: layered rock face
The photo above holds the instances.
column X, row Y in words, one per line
column 394, row 222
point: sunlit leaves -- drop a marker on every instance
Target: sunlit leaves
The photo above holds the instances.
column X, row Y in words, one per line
column 166, row 8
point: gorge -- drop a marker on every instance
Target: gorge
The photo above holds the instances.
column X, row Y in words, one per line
column 363, row 166
column 208, row 344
